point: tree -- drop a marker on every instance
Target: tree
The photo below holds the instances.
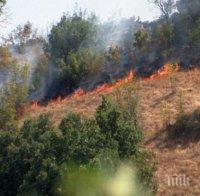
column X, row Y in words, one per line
column 7, row 113
column 6, row 59
column 69, row 34
column 21, row 36
column 68, row 41
column 114, row 55
column 13, row 96
column 3, row 16
column 166, row 7
column 141, row 39
column 82, row 137
column 39, row 73
column 14, row 90
column 165, row 34
column 17, row 87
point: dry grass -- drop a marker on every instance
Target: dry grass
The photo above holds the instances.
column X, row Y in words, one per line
column 159, row 104
column 173, row 158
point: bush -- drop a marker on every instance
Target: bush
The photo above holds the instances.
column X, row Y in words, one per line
column 107, row 141
column 82, row 137
column 30, row 158
column 145, row 171
column 118, row 130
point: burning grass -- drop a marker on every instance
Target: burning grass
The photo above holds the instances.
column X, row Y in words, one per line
column 105, row 88
column 154, row 93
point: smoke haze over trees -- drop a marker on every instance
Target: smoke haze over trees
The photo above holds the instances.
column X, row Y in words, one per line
column 80, row 51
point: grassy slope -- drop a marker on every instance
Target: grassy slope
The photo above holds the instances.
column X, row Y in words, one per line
column 157, row 101
column 173, row 158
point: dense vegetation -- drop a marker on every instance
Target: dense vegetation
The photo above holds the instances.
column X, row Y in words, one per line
column 143, row 46
column 173, row 37
column 32, row 157
column 82, row 52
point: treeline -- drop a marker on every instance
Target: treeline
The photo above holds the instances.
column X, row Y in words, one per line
column 174, row 37
column 86, row 53
column 80, row 51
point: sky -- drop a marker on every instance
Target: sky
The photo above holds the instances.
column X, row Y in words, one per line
column 44, row 13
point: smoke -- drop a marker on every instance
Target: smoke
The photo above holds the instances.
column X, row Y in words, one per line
column 115, row 38
column 110, row 46
column 29, row 55
column 114, row 32
column 32, row 54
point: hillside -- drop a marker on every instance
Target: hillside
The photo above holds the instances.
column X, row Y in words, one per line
column 160, row 97
column 100, row 101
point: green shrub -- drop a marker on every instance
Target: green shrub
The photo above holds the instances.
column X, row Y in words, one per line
column 82, row 137
column 146, row 167
column 107, row 141
column 117, row 129
column 30, row 158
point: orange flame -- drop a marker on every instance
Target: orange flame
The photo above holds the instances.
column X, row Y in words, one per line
column 166, row 70
column 105, row 88
column 109, row 87
column 34, row 105
column 79, row 93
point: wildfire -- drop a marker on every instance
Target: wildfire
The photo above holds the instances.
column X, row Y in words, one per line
column 34, row 105
column 166, row 70
column 105, row 88
column 109, row 87
column 79, row 93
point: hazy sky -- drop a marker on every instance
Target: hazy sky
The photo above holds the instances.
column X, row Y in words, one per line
column 42, row 13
